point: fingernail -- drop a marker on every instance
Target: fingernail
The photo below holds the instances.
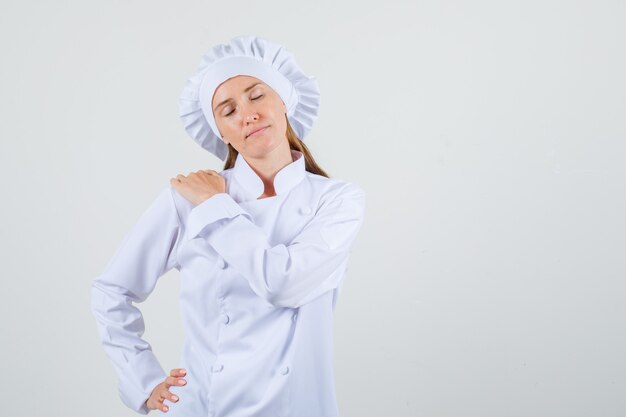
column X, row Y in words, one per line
column 175, row 398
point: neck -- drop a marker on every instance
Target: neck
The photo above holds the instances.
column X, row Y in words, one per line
column 268, row 166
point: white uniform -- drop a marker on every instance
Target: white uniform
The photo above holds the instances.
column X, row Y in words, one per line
column 259, row 282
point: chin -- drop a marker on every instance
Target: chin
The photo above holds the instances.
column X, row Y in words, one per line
column 262, row 147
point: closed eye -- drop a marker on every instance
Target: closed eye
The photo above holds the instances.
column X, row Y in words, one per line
column 254, row 98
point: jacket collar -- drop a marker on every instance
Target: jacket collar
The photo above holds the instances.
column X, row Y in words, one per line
column 252, row 185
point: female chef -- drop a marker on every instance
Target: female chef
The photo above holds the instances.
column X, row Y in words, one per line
column 262, row 248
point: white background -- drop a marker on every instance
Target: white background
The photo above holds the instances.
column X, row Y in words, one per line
column 489, row 276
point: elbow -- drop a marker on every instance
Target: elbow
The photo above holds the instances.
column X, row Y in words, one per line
column 281, row 301
column 278, row 277
column 107, row 298
column 293, row 291
column 275, row 296
column 98, row 298
column 277, row 293
column 291, row 286
column 95, row 295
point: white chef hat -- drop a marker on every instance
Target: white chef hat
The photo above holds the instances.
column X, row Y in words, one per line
column 257, row 57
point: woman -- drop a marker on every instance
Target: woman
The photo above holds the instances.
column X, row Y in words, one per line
column 262, row 248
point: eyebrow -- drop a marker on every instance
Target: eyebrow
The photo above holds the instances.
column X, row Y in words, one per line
column 229, row 99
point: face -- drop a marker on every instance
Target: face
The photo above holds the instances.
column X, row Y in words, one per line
column 243, row 104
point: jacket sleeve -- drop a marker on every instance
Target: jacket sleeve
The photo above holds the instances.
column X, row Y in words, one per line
column 285, row 275
column 144, row 255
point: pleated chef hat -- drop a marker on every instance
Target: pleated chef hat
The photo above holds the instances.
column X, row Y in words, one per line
column 257, row 57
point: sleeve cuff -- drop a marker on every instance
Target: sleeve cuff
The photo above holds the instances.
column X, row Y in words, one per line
column 220, row 206
column 144, row 374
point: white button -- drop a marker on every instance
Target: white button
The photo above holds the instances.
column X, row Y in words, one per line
column 285, row 370
column 305, row 210
column 221, row 263
column 225, row 318
column 294, row 317
column 217, row 368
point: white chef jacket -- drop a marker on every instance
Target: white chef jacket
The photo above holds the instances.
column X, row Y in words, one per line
column 259, row 282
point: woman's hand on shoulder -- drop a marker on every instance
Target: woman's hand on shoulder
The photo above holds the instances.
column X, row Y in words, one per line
column 161, row 392
column 199, row 186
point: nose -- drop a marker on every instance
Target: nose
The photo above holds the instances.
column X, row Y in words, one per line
column 251, row 115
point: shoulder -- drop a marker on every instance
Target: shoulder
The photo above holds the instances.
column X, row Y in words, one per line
column 226, row 172
column 332, row 189
column 183, row 206
column 180, row 204
column 334, row 185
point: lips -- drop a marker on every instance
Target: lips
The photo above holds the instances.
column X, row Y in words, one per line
column 257, row 130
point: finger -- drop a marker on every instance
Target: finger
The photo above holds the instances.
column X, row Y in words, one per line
column 176, row 381
column 180, row 177
column 168, row 395
column 160, row 405
column 155, row 403
column 178, row 372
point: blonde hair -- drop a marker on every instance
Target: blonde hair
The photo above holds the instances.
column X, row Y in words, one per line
column 294, row 143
